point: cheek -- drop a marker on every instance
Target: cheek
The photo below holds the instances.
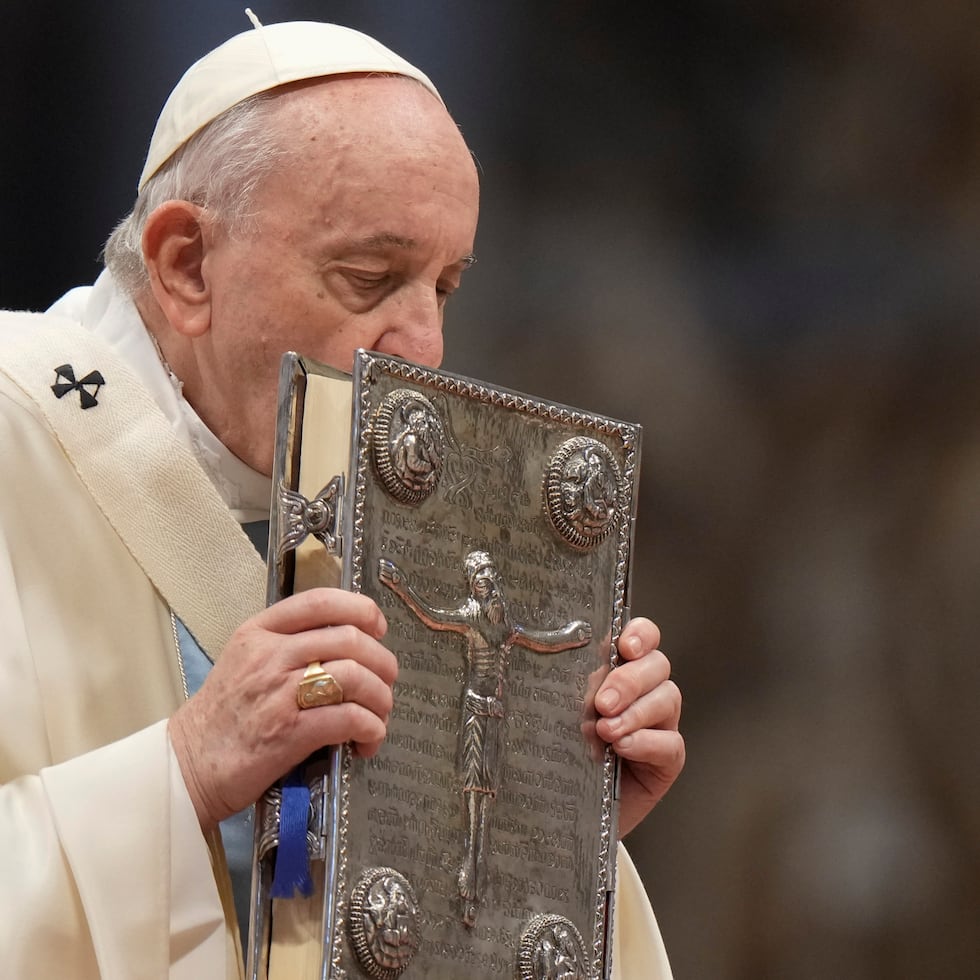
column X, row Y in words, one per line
column 249, row 353
column 333, row 340
column 302, row 315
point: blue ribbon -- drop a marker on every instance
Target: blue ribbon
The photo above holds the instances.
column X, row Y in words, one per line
column 292, row 872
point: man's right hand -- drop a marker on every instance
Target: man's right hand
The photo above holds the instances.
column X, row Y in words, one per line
column 243, row 729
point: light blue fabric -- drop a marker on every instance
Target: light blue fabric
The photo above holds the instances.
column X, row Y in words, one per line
column 238, row 830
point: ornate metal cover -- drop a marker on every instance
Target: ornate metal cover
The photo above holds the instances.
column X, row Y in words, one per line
column 494, row 530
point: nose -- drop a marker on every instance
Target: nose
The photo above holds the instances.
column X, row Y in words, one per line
column 414, row 329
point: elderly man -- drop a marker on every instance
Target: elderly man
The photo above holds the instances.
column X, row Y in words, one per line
column 305, row 189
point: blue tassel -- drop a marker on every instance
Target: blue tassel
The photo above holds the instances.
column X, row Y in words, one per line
column 292, row 872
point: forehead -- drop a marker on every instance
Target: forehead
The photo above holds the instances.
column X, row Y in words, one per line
column 367, row 143
column 365, row 118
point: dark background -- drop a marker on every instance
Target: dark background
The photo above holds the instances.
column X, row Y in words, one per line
column 754, row 228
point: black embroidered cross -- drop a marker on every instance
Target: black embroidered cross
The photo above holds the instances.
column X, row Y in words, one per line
column 66, row 382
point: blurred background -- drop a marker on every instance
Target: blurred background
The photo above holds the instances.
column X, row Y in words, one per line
column 755, row 229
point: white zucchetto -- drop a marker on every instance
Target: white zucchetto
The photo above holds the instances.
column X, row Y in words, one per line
column 256, row 61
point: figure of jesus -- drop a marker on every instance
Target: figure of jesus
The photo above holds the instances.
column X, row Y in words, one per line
column 483, row 618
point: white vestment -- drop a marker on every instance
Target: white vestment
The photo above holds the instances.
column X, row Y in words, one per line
column 108, row 521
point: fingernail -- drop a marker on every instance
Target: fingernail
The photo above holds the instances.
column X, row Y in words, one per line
column 629, row 645
column 607, row 701
column 625, row 742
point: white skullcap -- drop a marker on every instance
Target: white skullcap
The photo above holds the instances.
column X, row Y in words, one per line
column 256, row 61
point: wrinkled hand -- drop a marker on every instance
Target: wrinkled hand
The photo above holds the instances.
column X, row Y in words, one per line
column 244, row 730
column 640, row 709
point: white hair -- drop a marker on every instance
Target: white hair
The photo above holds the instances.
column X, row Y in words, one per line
column 218, row 169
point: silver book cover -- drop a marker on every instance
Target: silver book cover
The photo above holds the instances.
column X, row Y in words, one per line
column 494, row 530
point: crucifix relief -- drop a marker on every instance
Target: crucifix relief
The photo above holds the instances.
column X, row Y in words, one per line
column 484, row 619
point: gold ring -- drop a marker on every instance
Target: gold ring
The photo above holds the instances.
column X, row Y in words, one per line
column 318, row 689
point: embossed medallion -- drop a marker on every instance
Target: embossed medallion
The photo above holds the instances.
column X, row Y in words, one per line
column 581, row 491
column 409, row 445
column 552, row 949
column 383, row 922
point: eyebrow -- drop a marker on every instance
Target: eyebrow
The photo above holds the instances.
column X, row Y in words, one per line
column 388, row 239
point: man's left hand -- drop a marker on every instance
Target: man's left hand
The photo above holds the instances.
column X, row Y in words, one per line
column 639, row 709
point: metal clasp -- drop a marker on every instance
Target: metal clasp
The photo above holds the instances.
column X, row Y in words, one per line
column 299, row 517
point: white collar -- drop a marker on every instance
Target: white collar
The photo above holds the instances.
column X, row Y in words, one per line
column 112, row 316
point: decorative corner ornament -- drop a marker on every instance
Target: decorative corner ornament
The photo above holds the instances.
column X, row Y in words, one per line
column 409, row 445
column 552, row 949
column 384, row 922
column 582, row 488
column 87, row 387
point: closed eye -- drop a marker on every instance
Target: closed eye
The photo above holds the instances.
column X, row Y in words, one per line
column 445, row 289
column 366, row 281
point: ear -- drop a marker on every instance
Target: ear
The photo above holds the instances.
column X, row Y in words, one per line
column 174, row 245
